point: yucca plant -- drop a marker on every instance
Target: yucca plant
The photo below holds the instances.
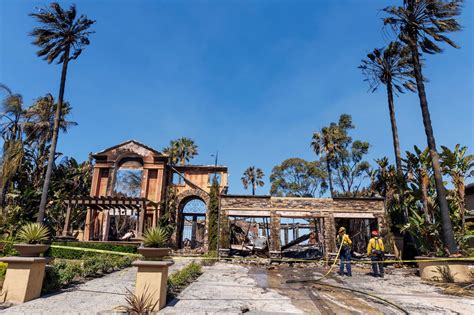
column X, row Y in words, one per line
column 155, row 237
column 33, row 233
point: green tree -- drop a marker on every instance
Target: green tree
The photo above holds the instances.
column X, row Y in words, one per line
column 213, row 216
column 253, row 177
column 11, row 131
column 419, row 172
column 38, row 127
column 296, row 177
column 328, row 142
column 181, row 150
column 62, row 37
column 458, row 166
column 419, row 24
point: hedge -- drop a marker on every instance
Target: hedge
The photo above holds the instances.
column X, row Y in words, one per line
column 132, row 248
column 79, row 254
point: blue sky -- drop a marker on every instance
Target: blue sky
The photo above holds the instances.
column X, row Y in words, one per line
column 252, row 79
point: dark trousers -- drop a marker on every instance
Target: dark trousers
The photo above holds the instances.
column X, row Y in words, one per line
column 377, row 265
column 345, row 257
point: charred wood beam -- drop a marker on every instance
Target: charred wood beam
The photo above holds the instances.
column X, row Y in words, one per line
column 296, row 241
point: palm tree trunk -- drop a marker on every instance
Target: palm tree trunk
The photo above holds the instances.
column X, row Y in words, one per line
column 396, row 146
column 54, row 140
column 448, row 234
column 253, row 188
column 331, row 189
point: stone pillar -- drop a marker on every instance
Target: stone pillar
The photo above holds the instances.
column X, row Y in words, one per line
column 152, row 278
column 297, row 229
column 193, row 232
column 105, row 225
column 275, row 243
column 329, row 234
column 286, row 234
column 24, row 278
column 88, row 225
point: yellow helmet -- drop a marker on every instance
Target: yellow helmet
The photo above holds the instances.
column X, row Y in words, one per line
column 342, row 229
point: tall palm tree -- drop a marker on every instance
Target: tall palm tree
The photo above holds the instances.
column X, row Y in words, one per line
column 38, row 127
column 11, row 120
column 419, row 23
column 253, row 177
column 391, row 67
column 62, row 36
column 181, row 150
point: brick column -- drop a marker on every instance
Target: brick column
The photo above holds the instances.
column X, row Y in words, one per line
column 275, row 244
column 329, row 234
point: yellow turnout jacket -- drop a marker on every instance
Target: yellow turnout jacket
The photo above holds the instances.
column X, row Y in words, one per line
column 375, row 243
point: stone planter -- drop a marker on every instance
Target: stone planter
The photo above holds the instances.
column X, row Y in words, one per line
column 153, row 252
column 152, row 279
column 30, row 250
column 461, row 269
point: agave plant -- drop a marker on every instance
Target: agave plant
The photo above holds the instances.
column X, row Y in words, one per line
column 139, row 304
column 33, row 233
column 155, row 237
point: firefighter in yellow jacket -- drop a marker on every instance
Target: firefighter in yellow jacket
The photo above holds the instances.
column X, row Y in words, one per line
column 375, row 250
column 345, row 254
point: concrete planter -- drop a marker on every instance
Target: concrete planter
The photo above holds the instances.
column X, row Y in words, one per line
column 153, row 252
column 30, row 250
column 461, row 269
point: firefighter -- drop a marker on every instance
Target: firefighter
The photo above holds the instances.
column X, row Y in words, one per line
column 375, row 250
column 345, row 254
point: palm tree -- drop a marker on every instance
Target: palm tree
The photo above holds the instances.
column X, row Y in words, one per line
column 419, row 23
column 181, row 150
column 253, row 177
column 61, row 37
column 330, row 141
column 391, row 67
column 459, row 167
column 38, row 127
column 11, row 120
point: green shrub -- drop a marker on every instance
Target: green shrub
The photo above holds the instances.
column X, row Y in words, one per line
column 179, row 280
column 3, row 270
column 61, row 274
column 8, row 249
column 95, row 265
column 51, row 282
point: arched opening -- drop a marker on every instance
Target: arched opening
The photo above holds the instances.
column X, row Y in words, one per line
column 192, row 223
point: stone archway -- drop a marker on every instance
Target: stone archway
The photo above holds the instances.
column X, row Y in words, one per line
column 182, row 200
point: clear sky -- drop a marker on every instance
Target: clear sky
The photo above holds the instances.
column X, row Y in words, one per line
column 252, row 79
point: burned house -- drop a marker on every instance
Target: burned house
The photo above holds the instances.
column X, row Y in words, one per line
column 131, row 180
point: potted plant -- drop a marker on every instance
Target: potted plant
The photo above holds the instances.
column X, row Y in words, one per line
column 32, row 235
column 154, row 240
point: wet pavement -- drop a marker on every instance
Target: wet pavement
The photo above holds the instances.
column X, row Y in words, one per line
column 400, row 286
